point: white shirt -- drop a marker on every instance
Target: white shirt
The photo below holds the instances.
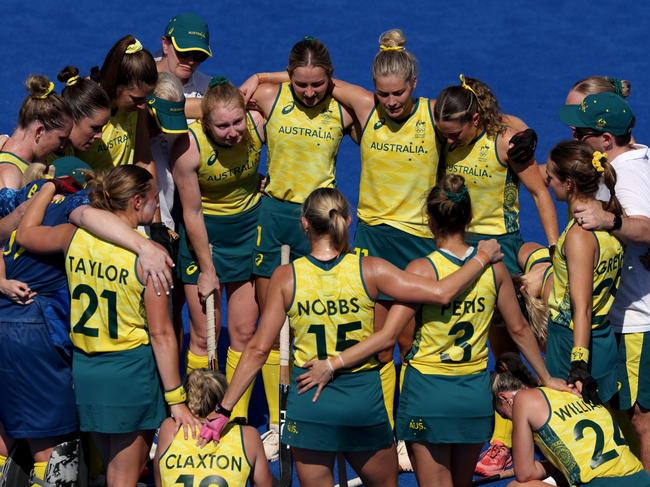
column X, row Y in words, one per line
column 631, row 310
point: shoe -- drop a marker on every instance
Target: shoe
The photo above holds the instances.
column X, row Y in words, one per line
column 403, row 459
column 271, row 442
column 494, row 460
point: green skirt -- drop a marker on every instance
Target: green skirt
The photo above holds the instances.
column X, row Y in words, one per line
column 118, row 392
column 444, row 408
column 349, row 415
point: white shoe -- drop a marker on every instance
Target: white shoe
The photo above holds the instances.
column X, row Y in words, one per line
column 403, row 457
column 271, row 442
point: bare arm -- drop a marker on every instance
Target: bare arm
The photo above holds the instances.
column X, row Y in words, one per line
column 165, row 437
column 255, row 453
column 523, row 446
column 249, row 87
column 360, row 100
column 10, row 222
column 142, row 151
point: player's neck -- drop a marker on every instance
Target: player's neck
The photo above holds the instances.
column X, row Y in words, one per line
column 323, row 249
column 454, row 243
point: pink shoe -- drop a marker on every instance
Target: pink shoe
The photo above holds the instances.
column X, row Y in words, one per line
column 494, row 460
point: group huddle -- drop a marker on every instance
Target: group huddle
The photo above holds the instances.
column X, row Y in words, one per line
column 147, row 163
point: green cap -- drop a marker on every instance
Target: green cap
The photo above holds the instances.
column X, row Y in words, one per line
column 169, row 115
column 604, row 112
column 72, row 166
column 189, row 32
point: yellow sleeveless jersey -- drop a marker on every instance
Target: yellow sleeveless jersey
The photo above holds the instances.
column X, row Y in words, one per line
column 537, row 256
column 116, row 147
column 330, row 310
column 606, row 278
column 107, row 306
column 582, row 440
column 228, row 175
column 216, row 464
column 493, row 186
column 452, row 339
column 399, row 166
column 302, row 143
column 9, row 158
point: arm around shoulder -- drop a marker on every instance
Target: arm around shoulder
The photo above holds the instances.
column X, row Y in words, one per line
column 254, row 449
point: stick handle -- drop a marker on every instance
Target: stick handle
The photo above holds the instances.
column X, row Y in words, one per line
column 285, row 252
column 506, row 474
column 211, row 330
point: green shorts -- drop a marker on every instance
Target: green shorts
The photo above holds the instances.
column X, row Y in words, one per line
column 602, row 352
column 633, row 369
column 639, row 479
column 349, row 415
column 118, row 392
column 391, row 244
column 278, row 224
column 232, row 238
column 510, row 245
column 444, row 409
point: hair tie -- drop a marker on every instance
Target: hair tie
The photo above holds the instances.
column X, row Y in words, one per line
column 134, row 47
column 464, row 84
column 72, row 81
column 309, row 38
column 50, row 89
column 617, row 84
column 391, row 48
column 333, row 212
column 457, row 197
column 218, row 81
column 598, row 160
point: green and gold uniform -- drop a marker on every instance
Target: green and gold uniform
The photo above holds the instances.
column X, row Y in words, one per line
column 331, row 311
column 114, row 373
column 585, row 444
column 606, row 277
column 494, row 190
column 302, row 145
column 228, row 182
column 10, row 158
column 222, row 463
column 446, row 397
column 116, row 147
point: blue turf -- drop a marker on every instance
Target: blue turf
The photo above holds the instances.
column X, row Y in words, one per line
column 530, row 53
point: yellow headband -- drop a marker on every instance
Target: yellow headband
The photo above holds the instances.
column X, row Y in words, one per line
column 72, row 81
column 391, row 48
column 49, row 90
column 133, row 48
column 598, row 160
column 464, row 84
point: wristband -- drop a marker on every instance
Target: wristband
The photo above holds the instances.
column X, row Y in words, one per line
column 340, row 359
column 219, row 409
column 579, row 353
column 176, row 396
column 618, row 223
column 329, row 364
column 480, row 261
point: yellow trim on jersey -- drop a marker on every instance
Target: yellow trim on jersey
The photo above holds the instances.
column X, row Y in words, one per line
column 399, row 166
column 11, row 158
column 582, row 440
column 606, row 278
column 493, row 186
column 227, row 176
column 107, row 298
column 302, row 144
column 222, row 463
column 452, row 339
column 537, row 256
column 331, row 309
column 117, row 145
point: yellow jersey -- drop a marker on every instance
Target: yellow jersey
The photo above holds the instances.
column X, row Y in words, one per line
column 116, row 147
column 493, row 186
column 227, row 176
column 216, row 464
column 107, row 298
column 399, row 166
column 331, row 309
column 10, row 158
column 302, row 144
column 452, row 339
column 606, row 278
column 582, row 440
column 537, row 256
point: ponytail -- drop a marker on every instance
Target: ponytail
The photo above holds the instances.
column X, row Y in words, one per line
column 327, row 212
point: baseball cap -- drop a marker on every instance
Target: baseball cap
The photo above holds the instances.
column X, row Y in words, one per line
column 169, row 115
column 604, row 112
column 72, row 166
column 189, row 32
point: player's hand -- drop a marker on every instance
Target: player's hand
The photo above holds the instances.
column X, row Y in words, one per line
column 211, row 429
column 248, row 88
column 18, row 291
column 559, row 385
column 184, row 418
column 579, row 373
column 492, row 248
column 156, row 264
column 521, row 149
column 207, row 284
column 319, row 374
column 591, row 215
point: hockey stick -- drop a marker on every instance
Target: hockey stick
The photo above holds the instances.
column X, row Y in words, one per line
column 342, row 470
column 506, row 474
column 211, row 329
column 286, row 465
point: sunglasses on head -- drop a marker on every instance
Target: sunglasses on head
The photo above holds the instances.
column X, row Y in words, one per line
column 582, row 133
